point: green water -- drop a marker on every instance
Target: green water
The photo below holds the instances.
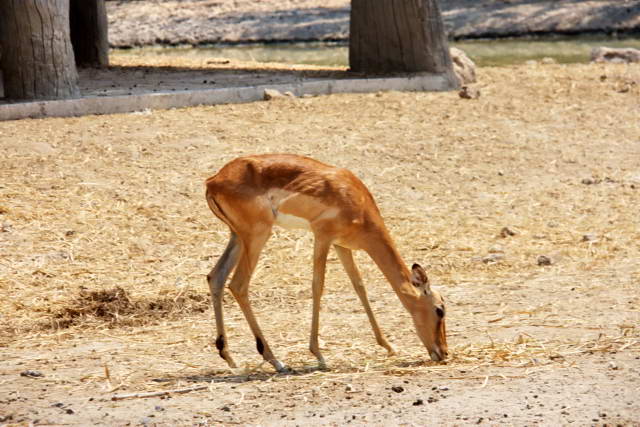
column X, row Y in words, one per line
column 517, row 51
column 483, row 52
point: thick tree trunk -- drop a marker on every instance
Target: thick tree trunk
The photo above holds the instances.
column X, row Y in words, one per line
column 37, row 58
column 398, row 36
column 89, row 33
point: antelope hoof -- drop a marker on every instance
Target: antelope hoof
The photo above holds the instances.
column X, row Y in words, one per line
column 322, row 365
column 224, row 352
column 282, row 369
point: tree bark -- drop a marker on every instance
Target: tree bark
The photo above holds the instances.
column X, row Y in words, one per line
column 398, row 36
column 89, row 33
column 37, row 58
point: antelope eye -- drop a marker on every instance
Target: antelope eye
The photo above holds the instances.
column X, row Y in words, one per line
column 440, row 312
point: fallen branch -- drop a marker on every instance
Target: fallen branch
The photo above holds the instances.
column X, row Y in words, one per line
column 158, row 393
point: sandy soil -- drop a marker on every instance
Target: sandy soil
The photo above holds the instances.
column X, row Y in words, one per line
column 135, row 23
column 105, row 240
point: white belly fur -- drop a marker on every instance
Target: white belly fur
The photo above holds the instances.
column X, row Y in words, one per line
column 292, row 221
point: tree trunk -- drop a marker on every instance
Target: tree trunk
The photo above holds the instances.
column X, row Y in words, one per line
column 37, row 58
column 89, row 33
column 398, row 36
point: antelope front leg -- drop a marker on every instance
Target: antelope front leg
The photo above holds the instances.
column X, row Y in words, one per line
column 216, row 279
column 346, row 257
column 320, row 253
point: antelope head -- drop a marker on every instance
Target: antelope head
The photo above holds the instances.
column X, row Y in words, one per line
column 429, row 315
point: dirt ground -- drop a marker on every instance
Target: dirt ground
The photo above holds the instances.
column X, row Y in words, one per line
column 105, row 241
column 194, row 22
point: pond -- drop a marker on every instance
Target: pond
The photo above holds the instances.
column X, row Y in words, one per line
column 484, row 52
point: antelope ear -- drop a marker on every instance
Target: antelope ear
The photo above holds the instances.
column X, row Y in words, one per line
column 419, row 278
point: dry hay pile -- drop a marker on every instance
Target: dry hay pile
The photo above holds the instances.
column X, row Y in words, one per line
column 104, row 223
column 114, row 306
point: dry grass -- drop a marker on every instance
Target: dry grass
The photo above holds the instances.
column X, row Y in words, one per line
column 105, row 231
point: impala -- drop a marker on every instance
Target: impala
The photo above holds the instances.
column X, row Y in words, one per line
column 251, row 194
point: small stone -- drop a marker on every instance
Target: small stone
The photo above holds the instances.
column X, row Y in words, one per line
column 468, row 92
column 397, row 388
column 590, row 181
column 349, row 388
column 544, row 260
column 589, row 237
column 41, row 148
column 418, row 402
column 31, row 374
column 507, row 232
column 492, row 258
column 226, row 409
column 615, row 55
column 270, row 94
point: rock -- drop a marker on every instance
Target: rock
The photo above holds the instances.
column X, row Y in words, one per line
column 463, row 67
column 615, row 55
column 270, row 94
column 492, row 258
column 544, row 260
column 31, row 374
column 397, row 388
column 42, row 148
column 589, row 237
column 468, row 92
column 506, row 232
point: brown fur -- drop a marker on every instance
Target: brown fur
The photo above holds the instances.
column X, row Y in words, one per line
column 249, row 194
